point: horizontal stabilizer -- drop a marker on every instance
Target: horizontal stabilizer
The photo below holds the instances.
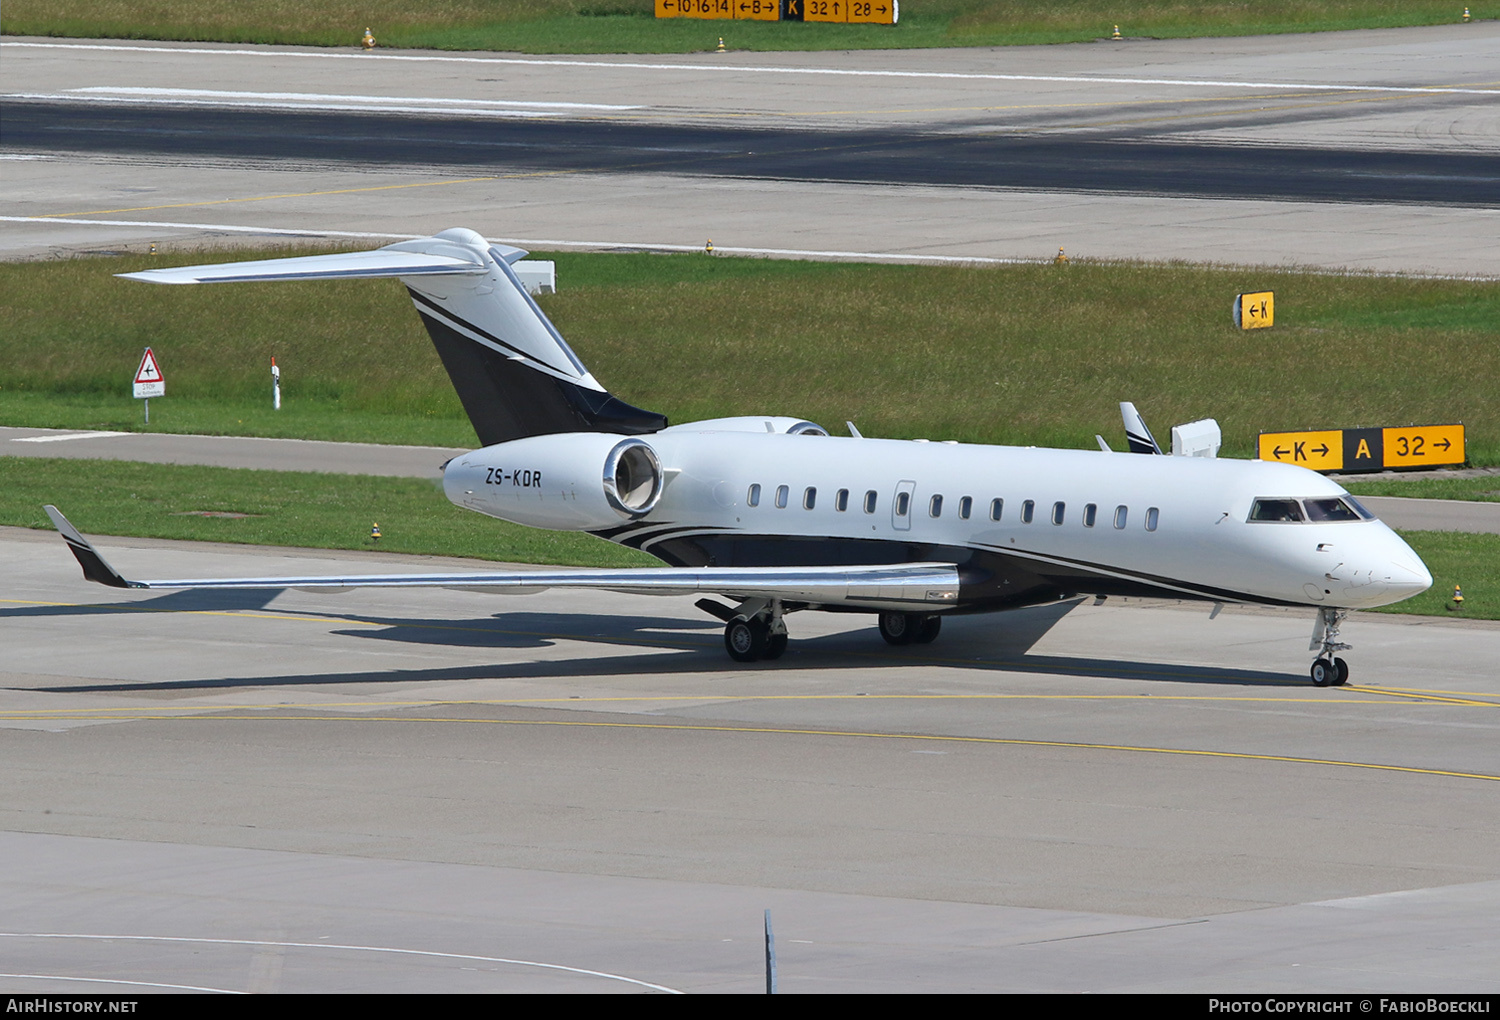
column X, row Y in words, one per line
column 934, row 585
column 355, row 265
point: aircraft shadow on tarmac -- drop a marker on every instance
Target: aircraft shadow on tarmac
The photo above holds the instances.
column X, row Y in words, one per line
column 200, row 601
column 674, row 645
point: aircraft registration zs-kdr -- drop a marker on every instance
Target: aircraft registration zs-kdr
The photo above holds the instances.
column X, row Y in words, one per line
column 776, row 516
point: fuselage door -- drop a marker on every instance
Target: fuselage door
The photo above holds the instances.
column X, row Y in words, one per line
column 901, row 506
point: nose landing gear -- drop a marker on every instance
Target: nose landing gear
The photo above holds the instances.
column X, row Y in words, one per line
column 1327, row 670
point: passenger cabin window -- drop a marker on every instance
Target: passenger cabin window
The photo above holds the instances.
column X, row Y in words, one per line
column 753, row 498
column 1028, row 510
column 809, row 498
column 1059, row 511
column 997, row 506
column 903, row 503
column 965, row 507
column 841, row 500
column 935, row 507
column 1120, row 514
column 782, row 491
column 1090, row 514
column 1152, row 516
column 870, row 502
column 1278, row 510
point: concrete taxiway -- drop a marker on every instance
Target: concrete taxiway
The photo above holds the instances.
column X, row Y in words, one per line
column 412, row 791
column 1421, row 93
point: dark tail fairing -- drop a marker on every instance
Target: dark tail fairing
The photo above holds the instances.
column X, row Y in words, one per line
column 505, row 398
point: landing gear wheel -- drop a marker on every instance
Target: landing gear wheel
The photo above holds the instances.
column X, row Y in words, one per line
column 1342, row 668
column 898, row 628
column 1324, row 673
column 775, row 646
column 745, row 640
column 928, row 630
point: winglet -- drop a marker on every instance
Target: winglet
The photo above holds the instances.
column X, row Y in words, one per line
column 94, row 567
column 1139, row 436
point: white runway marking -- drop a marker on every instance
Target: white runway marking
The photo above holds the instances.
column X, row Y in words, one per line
column 360, row 949
column 122, row 981
column 545, row 244
column 741, row 69
column 355, row 107
column 533, row 242
column 63, row 439
column 319, row 97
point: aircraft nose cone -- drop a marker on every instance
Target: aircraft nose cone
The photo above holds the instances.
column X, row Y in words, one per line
column 1408, row 578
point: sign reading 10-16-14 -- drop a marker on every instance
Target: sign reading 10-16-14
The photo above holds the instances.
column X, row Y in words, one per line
column 869, row 12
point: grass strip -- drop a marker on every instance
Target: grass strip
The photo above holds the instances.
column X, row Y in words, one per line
column 319, row 511
column 1022, row 355
column 1421, row 485
column 282, row 508
column 628, row 26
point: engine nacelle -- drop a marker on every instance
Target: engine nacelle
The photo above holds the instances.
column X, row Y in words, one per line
column 574, row 481
column 754, row 423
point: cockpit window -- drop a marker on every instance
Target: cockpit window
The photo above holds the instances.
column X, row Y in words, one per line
column 1330, row 510
column 1276, row 510
column 1323, row 510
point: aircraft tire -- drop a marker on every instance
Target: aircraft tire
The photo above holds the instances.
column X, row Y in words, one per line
column 928, row 630
column 1342, row 669
column 745, row 640
column 1324, row 673
column 775, row 646
column 898, row 628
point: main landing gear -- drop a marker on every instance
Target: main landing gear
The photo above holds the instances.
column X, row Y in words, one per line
column 757, row 628
column 910, row 628
column 755, row 637
column 1327, row 670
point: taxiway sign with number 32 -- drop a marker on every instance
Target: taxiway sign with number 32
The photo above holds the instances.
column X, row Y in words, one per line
column 1423, row 445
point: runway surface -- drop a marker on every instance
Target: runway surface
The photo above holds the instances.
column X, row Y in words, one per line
column 1364, row 150
column 1126, row 799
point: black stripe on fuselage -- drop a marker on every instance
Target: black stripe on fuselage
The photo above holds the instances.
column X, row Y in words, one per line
column 989, row 578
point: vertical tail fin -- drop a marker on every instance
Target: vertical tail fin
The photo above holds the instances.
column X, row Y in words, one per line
column 514, row 373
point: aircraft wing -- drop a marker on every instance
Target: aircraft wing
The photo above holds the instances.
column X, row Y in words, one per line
column 893, row 586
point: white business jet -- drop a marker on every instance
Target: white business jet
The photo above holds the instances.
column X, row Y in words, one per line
column 775, row 516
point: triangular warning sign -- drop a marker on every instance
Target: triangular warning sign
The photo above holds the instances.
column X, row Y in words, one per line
column 148, row 378
column 148, row 372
